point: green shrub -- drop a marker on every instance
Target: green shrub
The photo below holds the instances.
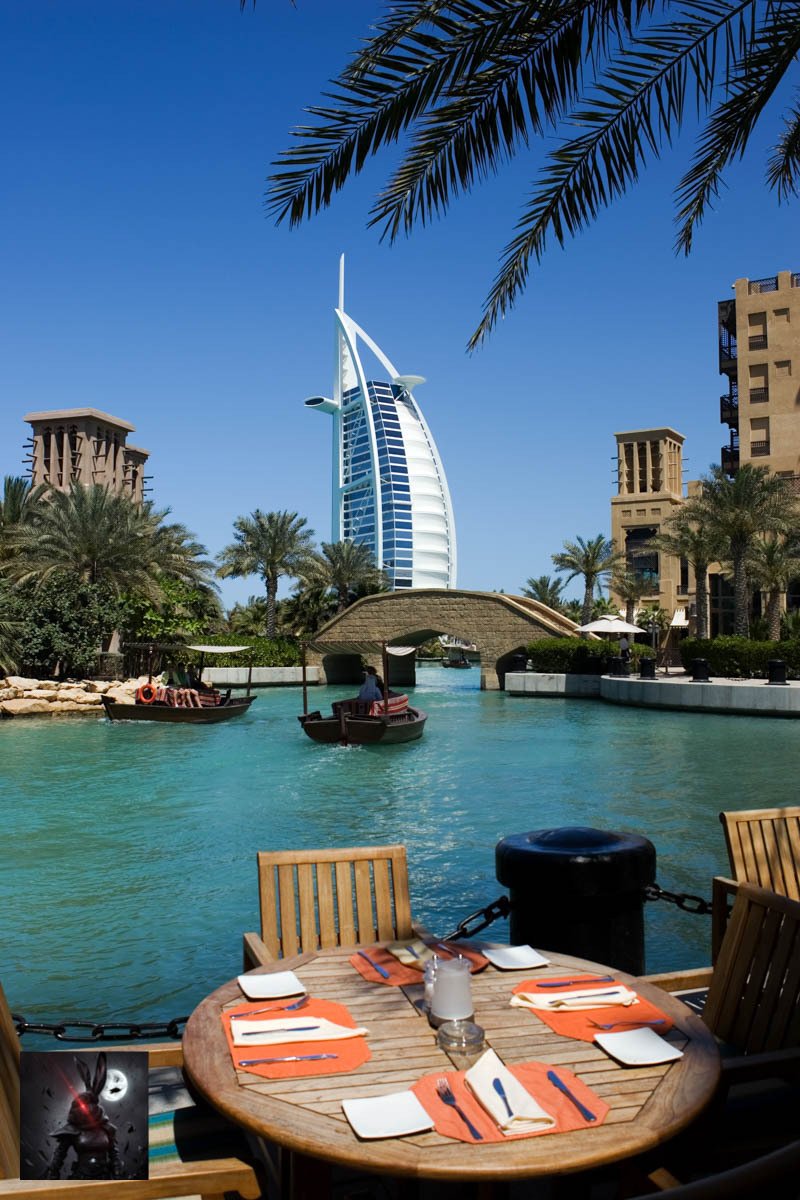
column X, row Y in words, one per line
column 266, row 652
column 575, row 656
column 738, row 657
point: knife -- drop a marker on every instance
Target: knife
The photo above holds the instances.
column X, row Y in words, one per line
column 283, row 1032
column 252, row 1062
column 375, row 966
column 586, row 1113
column 575, row 982
column 555, row 1002
column 497, row 1084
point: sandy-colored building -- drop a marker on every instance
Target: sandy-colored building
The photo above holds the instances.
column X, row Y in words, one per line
column 759, row 354
column 86, row 446
column 649, row 492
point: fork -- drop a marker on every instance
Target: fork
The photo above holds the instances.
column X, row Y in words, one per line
column 614, row 1024
column 446, row 1096
column 253, row 1012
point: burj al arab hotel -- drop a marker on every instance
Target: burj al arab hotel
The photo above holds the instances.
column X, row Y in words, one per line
column 389, row 487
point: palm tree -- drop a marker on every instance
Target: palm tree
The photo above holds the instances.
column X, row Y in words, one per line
column 249, row 619
column 468, row 85
column 270, row 545
column 546, row 590
column 629, row 587
column 307, row 610
column 346, row 567
column 735, row 512
column 593, row 560
column 10, row 628
column 698, row 543
column 96, row 536
column 773, row 563
column 17, row 505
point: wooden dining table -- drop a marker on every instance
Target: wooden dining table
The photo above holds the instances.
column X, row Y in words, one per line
column 648, row 1104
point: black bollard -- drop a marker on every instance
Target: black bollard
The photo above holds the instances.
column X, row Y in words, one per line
column 579, row 891
column 776, row 671
column 617, row 665
column 700, row 671
column 647, row 668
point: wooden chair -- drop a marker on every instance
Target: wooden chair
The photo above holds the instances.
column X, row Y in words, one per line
column 773, row 1175
column 763, row 848
column 317, row 899
column 212, row 1178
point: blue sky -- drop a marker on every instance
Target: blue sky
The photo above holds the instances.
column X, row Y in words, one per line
column 141, row 276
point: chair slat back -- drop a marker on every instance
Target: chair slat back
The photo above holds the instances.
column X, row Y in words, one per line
column 9, row 1093
column 754, row 998
column 764, row 848
column 317, row 899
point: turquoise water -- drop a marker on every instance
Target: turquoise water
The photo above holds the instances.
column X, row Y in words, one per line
column 128, row 851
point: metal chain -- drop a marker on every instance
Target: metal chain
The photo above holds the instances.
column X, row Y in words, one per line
column 683, row 900
column 500, row 907
column 97, row 1031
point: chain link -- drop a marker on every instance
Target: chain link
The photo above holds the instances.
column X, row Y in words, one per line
column 500, row 907
column 682, row 900
column 101, row 1031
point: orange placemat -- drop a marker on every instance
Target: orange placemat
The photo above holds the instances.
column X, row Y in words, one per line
column 576, row 1024
column 401, row 975
column 533, row 1077
column 350, row 1052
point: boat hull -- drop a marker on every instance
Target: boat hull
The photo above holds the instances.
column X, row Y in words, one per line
column 177, row 716
column 365, row 731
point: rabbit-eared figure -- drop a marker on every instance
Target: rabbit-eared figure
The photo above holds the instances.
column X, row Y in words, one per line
column 87, row 1131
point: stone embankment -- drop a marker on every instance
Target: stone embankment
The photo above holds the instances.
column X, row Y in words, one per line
column 20, row 697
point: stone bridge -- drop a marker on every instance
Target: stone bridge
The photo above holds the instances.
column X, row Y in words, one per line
column 499, row 626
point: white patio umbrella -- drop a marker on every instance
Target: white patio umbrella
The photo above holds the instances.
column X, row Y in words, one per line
column 610, row 624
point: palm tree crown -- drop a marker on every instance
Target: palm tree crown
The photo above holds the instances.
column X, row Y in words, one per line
column 697, row 542
column 546, row 590
column 593, row 560
column 471, row 84
column 270, row 545
column 346, row 567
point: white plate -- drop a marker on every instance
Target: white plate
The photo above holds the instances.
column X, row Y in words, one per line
column 270, row 987
column 514, row 958
column 387, row 1116
column 638, row 1047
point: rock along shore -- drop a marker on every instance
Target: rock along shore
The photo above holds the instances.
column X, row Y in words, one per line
column 20, row 697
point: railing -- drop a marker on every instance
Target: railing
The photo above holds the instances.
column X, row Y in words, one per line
column 728, row 351
column 729, row 459
column 757, row 342
column 770, row 284
column 729, row 410
column 759, row 395
column 795, row 280
column 759, row 449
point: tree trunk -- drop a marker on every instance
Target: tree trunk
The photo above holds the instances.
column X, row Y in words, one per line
column 588, row 603
column 630, row 611
column 272, row 595
column 701, row 598
column 774, row 616
column 741, row 595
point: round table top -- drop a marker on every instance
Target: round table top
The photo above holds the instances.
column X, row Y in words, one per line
column 648, row 1104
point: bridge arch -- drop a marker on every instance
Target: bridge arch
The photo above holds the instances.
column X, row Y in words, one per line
column 499, row 625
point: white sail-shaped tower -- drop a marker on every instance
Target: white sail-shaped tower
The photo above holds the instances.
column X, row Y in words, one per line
column 389, row 488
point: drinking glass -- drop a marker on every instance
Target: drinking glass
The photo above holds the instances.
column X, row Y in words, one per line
column 462, row 1041
column 452, row 995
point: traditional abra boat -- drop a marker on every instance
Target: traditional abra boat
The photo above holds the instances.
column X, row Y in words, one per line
column 203, row 705
column 363, row 722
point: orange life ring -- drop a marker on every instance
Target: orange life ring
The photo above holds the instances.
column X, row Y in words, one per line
column 146, row 694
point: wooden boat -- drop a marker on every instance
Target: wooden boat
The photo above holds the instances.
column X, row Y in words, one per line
column 360, row 723
column 202, row 705
column 363, row 722
column 459, row 663
column 228, row 707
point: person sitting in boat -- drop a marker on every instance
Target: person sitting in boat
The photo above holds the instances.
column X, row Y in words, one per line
column 372, row 687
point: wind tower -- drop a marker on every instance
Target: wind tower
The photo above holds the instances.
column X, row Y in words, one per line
column 389, row 490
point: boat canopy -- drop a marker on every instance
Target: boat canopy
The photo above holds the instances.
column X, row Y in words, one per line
column 218, row 649
column 323, row 646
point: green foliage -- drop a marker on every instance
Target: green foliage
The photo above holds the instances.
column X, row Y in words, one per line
column 62, row 625
column 740, row 657
column 575, row 656
column 185, row 611
column 266, row 652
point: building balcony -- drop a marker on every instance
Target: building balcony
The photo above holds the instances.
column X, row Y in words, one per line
column 755, row 286
column 728, row 351
column 729, row 458
column 757, row 342
column 759, row 449
column 759, row 395
column 729, row 411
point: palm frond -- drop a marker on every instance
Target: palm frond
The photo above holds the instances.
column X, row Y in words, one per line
column 783, row 168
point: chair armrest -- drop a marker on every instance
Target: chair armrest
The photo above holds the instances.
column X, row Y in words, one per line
column 680, row 981
column 767, row 1065
column 722, row 889
column 255, row 952
column 210, row 1177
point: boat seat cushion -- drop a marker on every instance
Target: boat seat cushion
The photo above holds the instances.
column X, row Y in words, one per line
column 182, row 1127
column 397, row 704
